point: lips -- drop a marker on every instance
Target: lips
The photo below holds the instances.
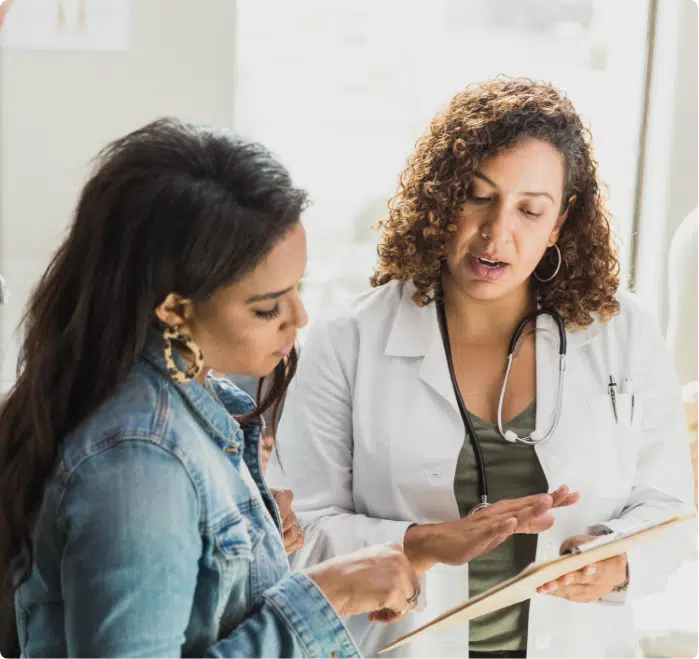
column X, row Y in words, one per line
column 285, row 352
column 486, row 268
column 489, row 260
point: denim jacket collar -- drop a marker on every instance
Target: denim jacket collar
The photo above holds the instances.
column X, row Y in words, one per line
column 213, row 414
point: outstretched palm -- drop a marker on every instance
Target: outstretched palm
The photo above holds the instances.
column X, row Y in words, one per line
column 457, row 543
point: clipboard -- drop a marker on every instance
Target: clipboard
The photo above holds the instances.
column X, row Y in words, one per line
column 523, row 586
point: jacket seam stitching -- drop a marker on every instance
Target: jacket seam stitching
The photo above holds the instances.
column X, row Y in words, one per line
column 111, row 442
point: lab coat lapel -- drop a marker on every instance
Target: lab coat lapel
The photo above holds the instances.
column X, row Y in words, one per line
column 434, row 370
column 558, row 454
column 415, row 333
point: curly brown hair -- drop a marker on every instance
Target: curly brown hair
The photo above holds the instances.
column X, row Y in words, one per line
column 480, row 122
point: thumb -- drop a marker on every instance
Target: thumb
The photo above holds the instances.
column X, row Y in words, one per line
column 575, row 541
column 284, row 499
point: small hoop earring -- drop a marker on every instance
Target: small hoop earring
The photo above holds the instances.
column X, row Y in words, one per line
column 177, row 335
column 558, row 267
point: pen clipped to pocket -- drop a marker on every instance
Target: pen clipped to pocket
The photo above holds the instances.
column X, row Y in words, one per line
column 626, row 409
column 632, row 411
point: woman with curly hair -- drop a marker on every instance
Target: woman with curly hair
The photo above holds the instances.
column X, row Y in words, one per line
column 396, row 428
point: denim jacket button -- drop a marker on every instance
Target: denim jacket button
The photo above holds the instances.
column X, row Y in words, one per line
column 231, row 448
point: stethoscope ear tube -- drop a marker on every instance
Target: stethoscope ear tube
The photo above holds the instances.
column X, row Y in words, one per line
column 536, row 437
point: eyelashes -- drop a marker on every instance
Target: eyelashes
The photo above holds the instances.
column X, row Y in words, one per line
column 268, row 314
column 481, row 200
column 484, row 200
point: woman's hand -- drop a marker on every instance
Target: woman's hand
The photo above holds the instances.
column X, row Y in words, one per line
column 456, row 543
column 293, row 532
column 593, row 582
column 377, row 580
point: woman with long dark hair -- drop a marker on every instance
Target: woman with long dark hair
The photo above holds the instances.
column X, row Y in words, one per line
column 134, row 519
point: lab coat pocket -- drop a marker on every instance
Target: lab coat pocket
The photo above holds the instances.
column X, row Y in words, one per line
column 624, row 414
column 614, row 443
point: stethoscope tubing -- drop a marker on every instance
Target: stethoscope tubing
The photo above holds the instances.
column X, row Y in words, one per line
column 534, row 438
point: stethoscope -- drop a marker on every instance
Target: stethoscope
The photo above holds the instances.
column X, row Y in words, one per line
column 536, row 436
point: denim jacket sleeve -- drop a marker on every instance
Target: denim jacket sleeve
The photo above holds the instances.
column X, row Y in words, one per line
column 130, row 542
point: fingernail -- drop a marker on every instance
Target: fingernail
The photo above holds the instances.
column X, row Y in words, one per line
column 590, row 570
column 552, row 587
column 568, row 579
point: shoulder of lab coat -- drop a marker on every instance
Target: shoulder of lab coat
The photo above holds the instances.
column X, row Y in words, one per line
column 314, row 439
column 663, row 485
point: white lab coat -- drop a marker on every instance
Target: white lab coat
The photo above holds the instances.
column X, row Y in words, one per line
column 371, row 433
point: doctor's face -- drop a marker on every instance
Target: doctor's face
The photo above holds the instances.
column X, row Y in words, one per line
column 512, row 214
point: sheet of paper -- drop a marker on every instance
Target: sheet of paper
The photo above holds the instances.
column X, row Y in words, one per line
column 67, row 25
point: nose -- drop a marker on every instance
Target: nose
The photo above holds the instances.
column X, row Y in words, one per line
column 300, row 317
column 497, row 225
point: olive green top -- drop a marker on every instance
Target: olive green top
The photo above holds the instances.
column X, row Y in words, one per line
column 513, row 471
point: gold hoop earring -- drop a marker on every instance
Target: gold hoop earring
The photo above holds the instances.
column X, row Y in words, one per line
column 558, row 267
column 177, row 335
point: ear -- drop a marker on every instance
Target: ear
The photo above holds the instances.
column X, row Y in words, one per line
column 174, row 310
column 553, row 238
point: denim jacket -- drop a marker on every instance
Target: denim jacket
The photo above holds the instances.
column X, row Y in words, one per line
column 148, row 542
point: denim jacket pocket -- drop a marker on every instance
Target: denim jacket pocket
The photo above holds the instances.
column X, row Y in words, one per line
column 234, row 543
column 237, row 538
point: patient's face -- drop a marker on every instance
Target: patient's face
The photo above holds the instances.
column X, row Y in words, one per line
column 250, row 326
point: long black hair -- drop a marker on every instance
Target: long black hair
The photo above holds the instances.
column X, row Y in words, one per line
column 171, row 207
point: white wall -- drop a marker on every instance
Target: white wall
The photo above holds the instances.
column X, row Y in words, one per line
column 57, row 109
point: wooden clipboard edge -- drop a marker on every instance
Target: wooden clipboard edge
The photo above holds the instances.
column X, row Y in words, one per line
column 532, row 569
